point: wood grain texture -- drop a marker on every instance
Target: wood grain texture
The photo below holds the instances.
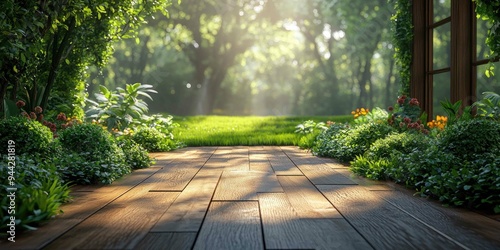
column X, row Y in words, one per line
column 305, row 199
column 382, row 224
column 281, row 164
column 121, row 224
column 175, row 176
column 231, row 225
column 188, row 211
column 465, row 227
column 167, row 241
column 244, row 185
column 285, row 229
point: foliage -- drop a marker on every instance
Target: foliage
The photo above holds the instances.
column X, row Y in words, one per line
column 122, row 108
column 363, row 115
column 47, row 46
column 90, row 155
column 407, row 115
column 381, row 159
column 153, row 140
column 136, row 156
column 489, row 10
column 453, row 111
column 469, row 139
column 489, row 106
column 349, row 142
column 39, row 194
column 30, row 136
column 403, row 41
column 308, row 127
column 329, row 138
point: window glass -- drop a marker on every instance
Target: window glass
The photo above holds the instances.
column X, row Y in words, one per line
column 442, row 9
column 441, row 92
column 441, row 46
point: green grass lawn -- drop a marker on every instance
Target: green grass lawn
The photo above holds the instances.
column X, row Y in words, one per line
column 244, row 130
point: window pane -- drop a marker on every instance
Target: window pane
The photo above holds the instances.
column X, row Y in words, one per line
column 442, row 9
column 482, row 31
column 487, row 84
column 441, row 92
column 441, row 46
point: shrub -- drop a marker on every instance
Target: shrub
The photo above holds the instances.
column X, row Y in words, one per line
column 30, row 136
column 470, row 138
column 153, row 140
column 327, row 139
column 39, row 194
column 90, row 155
column 135, row 155
column 380, row 161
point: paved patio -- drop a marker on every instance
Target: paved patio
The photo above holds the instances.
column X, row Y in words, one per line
column 255, row 198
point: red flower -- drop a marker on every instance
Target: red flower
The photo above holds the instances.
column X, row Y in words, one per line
column 401, row 101
column 414, row 102
column 61, row 117
column 38, row 110
column 40, row 117
column 390, row 108
column 32, row 115
column 20, row 104
column 407, row 120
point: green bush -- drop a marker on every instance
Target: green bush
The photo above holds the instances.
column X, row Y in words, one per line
column 470, row 138
column 153, row 140
column 381, row 162
column 328, row 138
column 30, row 137
column 347, row 144
column 39, row 194
column 91, row 155
column 135, row 155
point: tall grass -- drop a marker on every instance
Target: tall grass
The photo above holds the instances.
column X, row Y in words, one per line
column 244, row 130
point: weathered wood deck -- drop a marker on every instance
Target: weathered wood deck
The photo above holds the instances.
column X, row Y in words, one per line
column 255, row 198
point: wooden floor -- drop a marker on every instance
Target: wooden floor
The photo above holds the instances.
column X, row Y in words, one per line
column 255, row 198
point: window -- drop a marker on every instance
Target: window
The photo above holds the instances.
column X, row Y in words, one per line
column 449, row 54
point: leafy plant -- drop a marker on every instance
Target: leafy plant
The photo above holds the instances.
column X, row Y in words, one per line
column 39, row 195
column 30, row 136
column 90, row 155
column 135, row 155
column 348, row 143
column 489, row 106
column 153, row 140
column 453, row 111
column 309, row 126
column 407, row 115
column 122, row 108
column 327, row 140
column 380, row 161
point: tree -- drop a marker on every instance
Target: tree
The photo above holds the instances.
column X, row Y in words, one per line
column 49, row 44
column 219, row 31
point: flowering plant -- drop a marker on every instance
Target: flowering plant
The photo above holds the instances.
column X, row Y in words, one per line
column 406, row 115
column 439, row 123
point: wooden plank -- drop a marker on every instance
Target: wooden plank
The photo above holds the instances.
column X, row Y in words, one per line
column 167, row 241
column 244, row 185
column 321, row 174
column 305, row 199
column 188, row 211
column 382, row 224
column 231, row 225
column 284, row 228
column 121, row 224
column 175, row 176
column 466, row 227
column 259, row 160
column 282, row 165
column 231, row 164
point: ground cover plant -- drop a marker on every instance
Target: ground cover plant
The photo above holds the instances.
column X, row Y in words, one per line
column 452, row 158
column 244, row 130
